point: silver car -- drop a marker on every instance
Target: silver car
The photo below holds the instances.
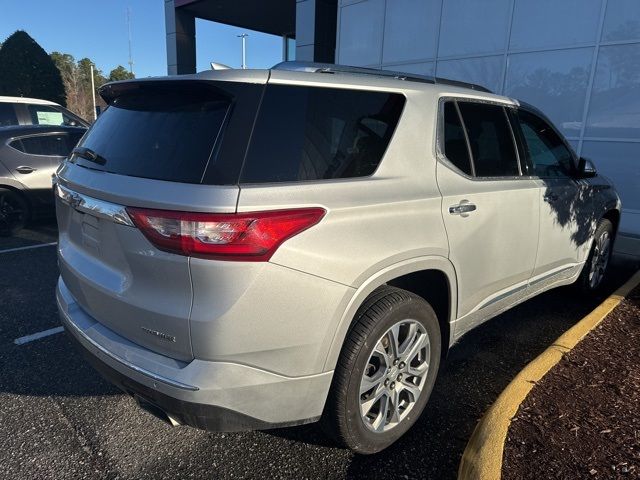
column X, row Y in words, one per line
column 248, row 249
column 29, row 156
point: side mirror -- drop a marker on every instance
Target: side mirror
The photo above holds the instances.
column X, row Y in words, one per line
column 586, row 168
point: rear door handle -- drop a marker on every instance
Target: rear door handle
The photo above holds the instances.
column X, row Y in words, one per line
column 462, row 208
column 25, row 169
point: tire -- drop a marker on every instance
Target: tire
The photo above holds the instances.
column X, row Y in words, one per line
column 595, row 268
column 14, row 212
column 344, row 417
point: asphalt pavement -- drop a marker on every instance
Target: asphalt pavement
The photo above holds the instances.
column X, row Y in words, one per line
column 59, row 419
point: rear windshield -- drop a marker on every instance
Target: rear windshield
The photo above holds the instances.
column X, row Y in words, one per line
column 159, row 133
column 311, row 133
column 212, row 132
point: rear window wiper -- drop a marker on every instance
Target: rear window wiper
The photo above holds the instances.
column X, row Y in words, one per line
column 88, row 154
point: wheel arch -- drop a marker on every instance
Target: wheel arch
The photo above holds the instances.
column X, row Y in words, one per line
column 613, row 215
column 438, row 274
column 11, row 184
column 17, row 187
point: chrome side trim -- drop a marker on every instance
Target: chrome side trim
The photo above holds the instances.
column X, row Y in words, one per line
column 515, row 290
column 167, row 381
column 502, row 296
column 549, row 275
column 93, row 206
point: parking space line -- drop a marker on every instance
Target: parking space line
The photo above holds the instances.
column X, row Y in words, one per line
column 17, row 249
column 37, row 336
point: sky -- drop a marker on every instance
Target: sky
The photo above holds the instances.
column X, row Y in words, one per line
column 98, row 30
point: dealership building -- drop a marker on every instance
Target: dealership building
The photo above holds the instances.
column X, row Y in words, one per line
column 576, row 60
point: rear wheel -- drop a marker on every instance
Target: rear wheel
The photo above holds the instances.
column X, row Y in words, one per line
column 14, row 212
column 595, row 267
column 385, row 373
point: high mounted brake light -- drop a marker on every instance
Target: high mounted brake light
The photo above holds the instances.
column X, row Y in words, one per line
column 253, row 236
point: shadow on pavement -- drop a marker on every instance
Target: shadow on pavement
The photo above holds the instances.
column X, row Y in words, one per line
column 37, row 232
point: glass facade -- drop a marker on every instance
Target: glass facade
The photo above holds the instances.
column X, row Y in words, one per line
column 576, row 60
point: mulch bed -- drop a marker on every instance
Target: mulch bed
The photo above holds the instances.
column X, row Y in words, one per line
column 582, row 420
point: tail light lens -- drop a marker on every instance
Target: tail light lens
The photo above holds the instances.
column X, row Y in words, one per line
column 236, row 236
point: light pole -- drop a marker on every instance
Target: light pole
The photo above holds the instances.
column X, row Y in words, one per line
column 93, row 94
column 129, row 31
column 244, row 49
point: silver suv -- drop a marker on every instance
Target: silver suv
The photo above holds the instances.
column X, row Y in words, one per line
column 247, row 249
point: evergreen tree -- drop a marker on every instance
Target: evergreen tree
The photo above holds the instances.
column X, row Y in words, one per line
column 120, row 73
column 27, row 71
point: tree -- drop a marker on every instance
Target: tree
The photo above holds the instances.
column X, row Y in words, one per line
column 76, row 77
column 26, row 70
column 120, row 73
column 76, row 100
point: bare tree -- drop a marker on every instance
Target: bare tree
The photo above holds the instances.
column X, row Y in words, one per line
column 76, row 77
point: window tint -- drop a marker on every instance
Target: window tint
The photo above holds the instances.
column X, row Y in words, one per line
column 455, row 145
column 73, row 138
column 546, row 151
column 7, row 115
column 50, row 145
column 163, row 132
column 490, row 140
column 49, row 115
column 310, row 133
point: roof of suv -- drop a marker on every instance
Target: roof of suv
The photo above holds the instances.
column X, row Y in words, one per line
column 321, row 74
column 35, row 101
column 312, row 67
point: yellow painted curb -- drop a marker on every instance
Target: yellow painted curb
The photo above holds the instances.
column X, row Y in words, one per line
column 482, row 458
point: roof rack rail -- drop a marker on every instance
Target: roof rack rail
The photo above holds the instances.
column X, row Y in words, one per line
column 314, row 67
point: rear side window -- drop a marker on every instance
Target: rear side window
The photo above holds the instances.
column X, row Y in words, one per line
column 455, row 144
column 53, row 145
column 490, row 139
column 311, row 133
column 165, row 132
column 7, row 115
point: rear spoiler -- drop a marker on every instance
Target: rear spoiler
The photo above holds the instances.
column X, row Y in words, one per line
column 110, row 91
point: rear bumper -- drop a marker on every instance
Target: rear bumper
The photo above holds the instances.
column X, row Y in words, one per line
column 219, row 396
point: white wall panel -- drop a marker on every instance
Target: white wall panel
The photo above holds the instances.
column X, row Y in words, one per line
column 485, row 71
column 554, row 81
column 622, row 20
column 619, row 161
column 411, row 29
column 554, row 23
column 360, row 35
column 614, row 110
column 474, row 27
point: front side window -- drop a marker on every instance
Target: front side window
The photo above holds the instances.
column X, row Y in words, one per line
column 312, row 133
column 545, row 150
column 490, row 140
column 52, row 145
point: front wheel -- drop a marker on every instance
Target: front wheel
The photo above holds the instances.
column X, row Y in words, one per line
column 385, row 373
column 595, row 267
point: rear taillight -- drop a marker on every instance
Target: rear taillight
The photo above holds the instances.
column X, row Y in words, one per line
column 251, row 236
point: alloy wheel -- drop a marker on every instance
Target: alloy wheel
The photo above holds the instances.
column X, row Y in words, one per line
column 600, row 259
column 395, row 375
